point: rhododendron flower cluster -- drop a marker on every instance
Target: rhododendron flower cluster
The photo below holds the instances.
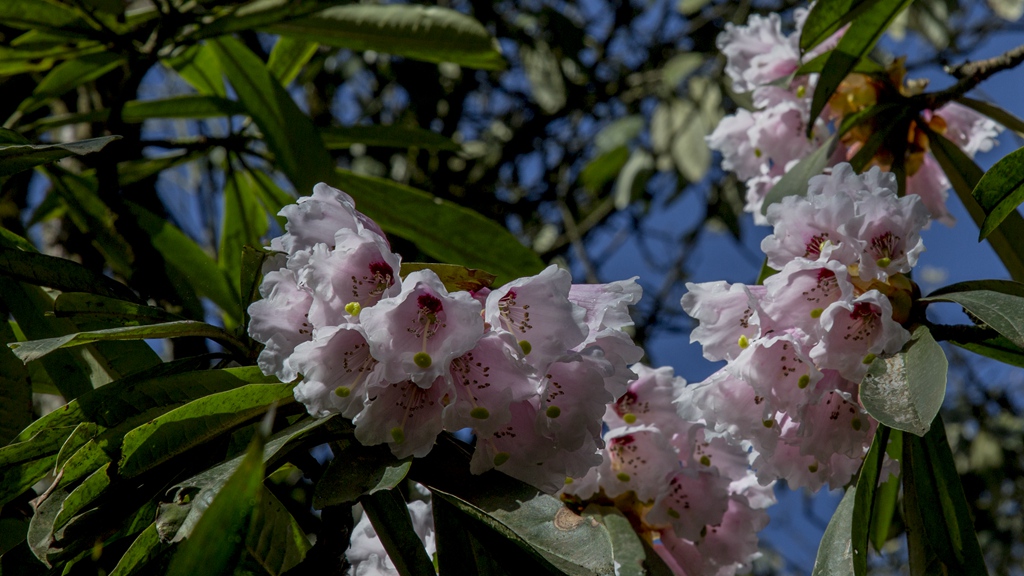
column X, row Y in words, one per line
column 797, row 346
column 762, row 144
column 529, row 367
column 690, row 493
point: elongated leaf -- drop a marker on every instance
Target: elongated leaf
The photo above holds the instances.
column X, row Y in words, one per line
column 867, row 484
column 44, row 14
column 83, row 495
column 856, row 43
column 191, row 262
column 825, row 18
column 218, row 539
column 456, row 544
column 258, row 13
column 146, row 546
column 244, row 222
column 932, row 486
column 998, row 303
column 794, row 182
column 15, row 386
column 905, row 391
column 270, row 194
column 817, row 64
column 964, row 175
column 604, row 168
column 429, row 33
column 275, row 541
column 835, row 552
column 886, row 495
column 198, row 66
column 288, row 57
column 1000, row 191
column 136, row 111
column 998, row 348
column 196, row 422
column 59, row 273
column 35, row 349
column 42, row 443
column 390, row 518
column 288, row 132
column 16, row 479
column 994, row 112
column 445, row 231
column 336, row 138
column 627, row 548
column 68, row 76
column 84, row 307
column 79, row 437
column 14, row 158
column 358, row 470
column 454, row 277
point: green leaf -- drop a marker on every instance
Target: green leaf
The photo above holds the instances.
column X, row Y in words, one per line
column 270, row 194
column 42, row 14
column 935, row 503
column 357, row 470
column 243, row 223
column 997, row 303
column 828, row 16
column 146, row 546
column 189, row 260
column 70, row 75
column 1000, row 191
column 84, row 494
column 604, row 168
column 905, row 391
column 886, row 496
column 627, row 548
column 16, row 158
column 275, row 540
column 457, row 546
column 856, row 43
column 994, row 112
column 867, row 484
column 766, row 272
column 390, row 518
column 82, row 307
column 198, row 65
column 16, row 479
column 336, row 138
column 817, row 64
column 42, row 443
column 835, row 552
column 79, row 437
column 288, row 57
column 428, row 33
column 218, row 539
column 15, row 386
column 998, row 348
column 137, row 111
column 35, row 349
column 198, row 421
column 290, row 134
column 257, row 13
column 251, row 274
column 454, row 277
column 794, row 182
column 964, row 175
column 59, row 274
column 441, row 229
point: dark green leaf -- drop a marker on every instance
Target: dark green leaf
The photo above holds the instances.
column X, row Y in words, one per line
column 390, row 518
column 70, row 75
column 219, row 538
column 16, row 158
column 457, row 545
column 288, row 57
column 997, row 303
column 905, row 391
column 994, row 112
column 59, row 274
column 794, row 182
column 886, row 495
column 275, row 540
column 259, row 13
column 190, row 261
column 79, row 437
column 429, row 33
column 826, row 17
column 134, row 171
column 44, row 14
column 35, row 349
column 932, row 492
column 198, row 421
column 604, row 168
column 243, row 223
column 271, row 195
column 336, row 138
column 357, row 470
column 137, row 111
column 997, row 348
column 454, row 277
column 42, row 443
column 290, row 134
column 15, row 386
column 856, row 43
column 817, row 64
column 251, row 273
column 964, row 175
column 146, row 546
column 441, row 229
column 16, row 479
column 83, row 307
column 84, row 494
column 867, row 484
column 835, row 552
column 1000, row 190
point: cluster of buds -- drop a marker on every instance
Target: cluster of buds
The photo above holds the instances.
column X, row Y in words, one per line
column 797, row 346
column 688, row 492
column 762, row 144
column 529, row 367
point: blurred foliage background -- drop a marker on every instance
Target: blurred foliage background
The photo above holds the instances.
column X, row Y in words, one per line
column 577, row 126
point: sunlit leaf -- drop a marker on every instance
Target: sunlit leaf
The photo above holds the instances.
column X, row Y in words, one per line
column 336, row 138
column 59, row 274
column 199, row 66
column 69, row 75
column 826, row 17
column 243, row 222
column 905, row 391
column 429, row 33
column 288, row 57
column 441, row 229
column 627, row 549
column 886, row 496
column 15, row 158
column 998, row 348
column 1000, row 190
column 835, row 552
column 997, row 303
column 867, row 485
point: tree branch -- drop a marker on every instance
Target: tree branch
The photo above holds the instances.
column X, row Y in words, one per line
column 962, row 333
column 970, row 74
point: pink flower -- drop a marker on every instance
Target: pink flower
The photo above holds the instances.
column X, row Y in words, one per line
column 758, row 53
column 417, row 334
column 316, row 219
column 856, row 331
column 337, row 371
column 404, row 415
column 280, row 321
column 727, row 315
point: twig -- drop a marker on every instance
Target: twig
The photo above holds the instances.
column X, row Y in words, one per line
column 962, row 333
column 970, row 74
